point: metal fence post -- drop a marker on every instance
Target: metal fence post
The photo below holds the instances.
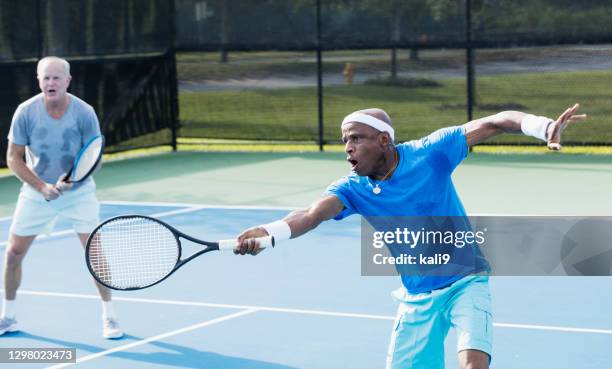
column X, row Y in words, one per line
column 470, row 59
column 319, row 76
column 174, row 110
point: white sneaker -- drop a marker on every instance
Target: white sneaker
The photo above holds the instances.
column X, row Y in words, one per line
column 111, row 329
column 8, row 325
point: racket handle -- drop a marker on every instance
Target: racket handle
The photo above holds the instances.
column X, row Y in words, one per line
column 264, row 242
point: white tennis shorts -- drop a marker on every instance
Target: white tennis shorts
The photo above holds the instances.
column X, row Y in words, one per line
column 34, row 215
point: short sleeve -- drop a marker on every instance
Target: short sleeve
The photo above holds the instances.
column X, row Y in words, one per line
column 450, row 142
column 90, row 126
column 340, row 189
column 18, row 133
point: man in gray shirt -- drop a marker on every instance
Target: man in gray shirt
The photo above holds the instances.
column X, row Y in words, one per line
column 49, row 130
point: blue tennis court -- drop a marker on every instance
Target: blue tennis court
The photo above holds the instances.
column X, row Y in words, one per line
column 301, row 305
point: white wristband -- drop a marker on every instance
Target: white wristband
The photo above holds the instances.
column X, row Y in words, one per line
column 279, row 230
column 535, row 126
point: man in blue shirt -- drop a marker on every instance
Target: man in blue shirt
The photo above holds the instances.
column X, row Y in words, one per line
column 414, row 179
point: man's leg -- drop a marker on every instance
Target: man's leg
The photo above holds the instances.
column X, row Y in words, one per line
column 105, row 293
column 110, row 328
column 473, row 359
column 33, row 215
column 470, row 314
column 82, row 207
column 16, row 250
column 417, row 340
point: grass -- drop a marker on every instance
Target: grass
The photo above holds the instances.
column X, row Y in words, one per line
column 291, row 113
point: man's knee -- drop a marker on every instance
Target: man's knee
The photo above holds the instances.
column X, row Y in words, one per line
column 17, row 248
column 13, row 258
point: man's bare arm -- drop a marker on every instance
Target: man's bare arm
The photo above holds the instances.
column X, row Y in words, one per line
column 303, row 221
column 299, row 221
column 15, row 161
column 480, row 130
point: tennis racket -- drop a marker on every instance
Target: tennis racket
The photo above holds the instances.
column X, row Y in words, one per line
column 132, row 252
column 86, row 161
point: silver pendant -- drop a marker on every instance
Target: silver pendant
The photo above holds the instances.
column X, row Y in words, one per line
column 376, row 190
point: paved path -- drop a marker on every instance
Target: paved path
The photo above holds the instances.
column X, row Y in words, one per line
column 578, row 58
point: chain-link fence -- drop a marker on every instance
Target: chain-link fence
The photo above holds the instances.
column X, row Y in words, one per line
column 289, row 71
column 248, row 69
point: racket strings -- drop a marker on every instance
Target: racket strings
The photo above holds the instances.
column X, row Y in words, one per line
column 132, row 252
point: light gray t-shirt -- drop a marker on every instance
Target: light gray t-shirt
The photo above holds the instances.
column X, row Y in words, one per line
column 52, row 144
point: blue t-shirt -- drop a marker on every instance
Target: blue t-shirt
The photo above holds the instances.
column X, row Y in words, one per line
column 420, row 186
column 52, row 144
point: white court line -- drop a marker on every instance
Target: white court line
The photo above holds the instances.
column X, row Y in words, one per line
column 266, row 207
column 70, row 231
column 5, row 219
column 304, row 311
column 210, row 305
column 191, row 207
column 157, row 338
column 175, row 212
column 203, row 206
column 553, row 328
column 44, row 236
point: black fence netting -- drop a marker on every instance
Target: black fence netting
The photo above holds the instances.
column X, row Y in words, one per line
column 246, row 25
column 539, row 22
column 350, row 24
column 19, row 40
column 34, row 28
column 294, row 25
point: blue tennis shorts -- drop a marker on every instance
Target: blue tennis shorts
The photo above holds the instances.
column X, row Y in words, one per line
column 34, row 215
column 423, row 321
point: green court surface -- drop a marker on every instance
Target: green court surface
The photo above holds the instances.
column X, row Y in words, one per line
column 550, row 184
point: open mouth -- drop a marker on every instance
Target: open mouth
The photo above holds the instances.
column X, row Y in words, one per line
column 353, row 163
column 51, row 91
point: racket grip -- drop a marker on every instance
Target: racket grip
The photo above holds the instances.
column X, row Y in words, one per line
column 264, row 242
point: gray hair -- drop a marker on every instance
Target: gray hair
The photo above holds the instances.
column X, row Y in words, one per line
column 42, row 63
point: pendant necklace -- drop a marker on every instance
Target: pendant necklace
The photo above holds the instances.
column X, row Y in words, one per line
column 377, row 190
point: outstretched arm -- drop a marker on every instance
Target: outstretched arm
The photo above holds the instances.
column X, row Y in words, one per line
column 299, row 222
column 479, row 130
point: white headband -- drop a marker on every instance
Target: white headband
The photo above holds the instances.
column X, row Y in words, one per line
column 371, row 121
